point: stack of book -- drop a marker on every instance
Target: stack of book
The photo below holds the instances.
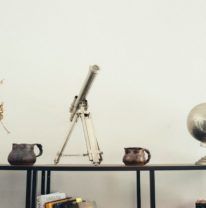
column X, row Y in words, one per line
column 60, row 200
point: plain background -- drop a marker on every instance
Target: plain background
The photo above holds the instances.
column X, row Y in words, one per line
column 152, row 56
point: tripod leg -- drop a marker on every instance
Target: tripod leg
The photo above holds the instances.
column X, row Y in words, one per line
column 59, row 154
column 91, row 141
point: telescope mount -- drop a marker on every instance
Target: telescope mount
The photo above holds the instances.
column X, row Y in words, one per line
column 93, row 150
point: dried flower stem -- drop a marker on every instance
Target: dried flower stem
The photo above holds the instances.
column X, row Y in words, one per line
column 8, row 132
column 2, row 113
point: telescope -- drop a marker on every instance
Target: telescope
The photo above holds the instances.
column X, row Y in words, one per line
column 79, row 109
column 84, row 91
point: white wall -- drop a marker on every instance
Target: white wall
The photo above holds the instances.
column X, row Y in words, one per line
column 153, row 60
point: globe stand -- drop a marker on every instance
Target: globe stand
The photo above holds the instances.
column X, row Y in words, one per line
column 202, row 161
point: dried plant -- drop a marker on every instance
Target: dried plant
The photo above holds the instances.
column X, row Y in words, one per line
column 2, row 113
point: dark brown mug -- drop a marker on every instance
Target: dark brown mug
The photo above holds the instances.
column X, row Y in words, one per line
column 23, row 154
column 136, row 156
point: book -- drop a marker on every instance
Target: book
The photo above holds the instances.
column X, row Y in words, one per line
column 52, row 203
column 200, row 204
column 72, row 203
column 68, row 204
column 57, row 203
column 87, row 204
column 42, row 199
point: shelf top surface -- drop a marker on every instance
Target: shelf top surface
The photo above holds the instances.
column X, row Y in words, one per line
column 103, row 167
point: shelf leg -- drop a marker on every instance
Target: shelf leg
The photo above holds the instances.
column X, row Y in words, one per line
column 152, row 189
column 138, row 189
column 43, row 182
column 28, row 188
column 48, row 187
column 34, row 186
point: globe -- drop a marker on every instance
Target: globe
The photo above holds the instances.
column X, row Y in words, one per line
column 196, row 124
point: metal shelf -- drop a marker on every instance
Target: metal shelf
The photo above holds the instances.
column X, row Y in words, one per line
column 32, row 176
column 115, row 167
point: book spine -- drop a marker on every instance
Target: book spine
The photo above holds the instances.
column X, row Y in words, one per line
column 41, row 200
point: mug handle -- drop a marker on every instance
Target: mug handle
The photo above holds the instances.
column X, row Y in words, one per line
column 40, row 149
column 148, row 156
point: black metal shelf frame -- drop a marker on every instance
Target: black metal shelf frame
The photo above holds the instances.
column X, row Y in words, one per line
column 45, row 170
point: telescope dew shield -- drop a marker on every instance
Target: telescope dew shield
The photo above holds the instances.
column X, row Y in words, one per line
column 84, row 90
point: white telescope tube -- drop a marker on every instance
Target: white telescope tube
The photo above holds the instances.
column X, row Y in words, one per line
column 84, row 90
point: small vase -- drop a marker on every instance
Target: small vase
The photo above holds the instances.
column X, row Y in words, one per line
column 136, row 156
column 23, row 154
